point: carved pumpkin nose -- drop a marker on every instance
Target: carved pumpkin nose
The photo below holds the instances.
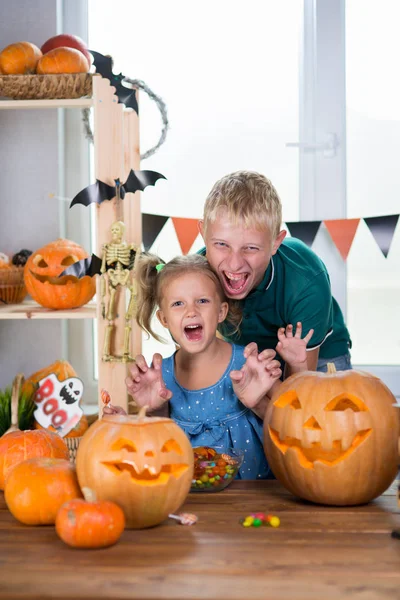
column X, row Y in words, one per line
column 312, row 423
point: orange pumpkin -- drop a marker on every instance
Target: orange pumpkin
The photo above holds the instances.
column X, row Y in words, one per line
column 19, row 446
column 90, row 524
column 331, row 438
column 19, row 58
column 63, row 370
column 63, row 60
column 37, row 488
column 41, row 276
column 144, row 464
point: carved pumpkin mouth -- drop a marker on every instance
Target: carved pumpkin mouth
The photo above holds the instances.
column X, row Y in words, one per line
column 148, row 475
column 55, row 280
column 308, row 456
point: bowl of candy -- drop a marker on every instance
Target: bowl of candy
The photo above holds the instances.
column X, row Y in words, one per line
column 215, row 468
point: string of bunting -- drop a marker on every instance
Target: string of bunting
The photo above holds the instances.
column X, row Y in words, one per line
column 342, row 231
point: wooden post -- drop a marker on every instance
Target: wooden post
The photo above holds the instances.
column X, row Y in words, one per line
column 116, row 144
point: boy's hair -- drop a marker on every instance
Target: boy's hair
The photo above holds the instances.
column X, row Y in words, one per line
column 150, row 283
column 249, row 198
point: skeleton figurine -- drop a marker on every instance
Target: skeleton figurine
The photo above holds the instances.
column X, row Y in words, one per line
column 117, row 264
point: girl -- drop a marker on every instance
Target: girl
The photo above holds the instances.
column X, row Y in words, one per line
column 215, row 391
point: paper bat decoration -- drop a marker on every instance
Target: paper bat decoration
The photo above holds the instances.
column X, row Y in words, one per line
column 104, row 65
column 91, row 266
column 100, row 191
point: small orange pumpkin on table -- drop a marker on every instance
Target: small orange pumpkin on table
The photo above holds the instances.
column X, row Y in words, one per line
column 332, row 438
column 42, row 279
column 89, row 523
column 37, row 488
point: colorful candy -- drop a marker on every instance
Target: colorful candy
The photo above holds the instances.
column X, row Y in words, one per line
column 259, row 520
column 212, row 471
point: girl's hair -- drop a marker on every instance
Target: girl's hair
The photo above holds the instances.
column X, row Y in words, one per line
column 150, row 283
column 248, row 197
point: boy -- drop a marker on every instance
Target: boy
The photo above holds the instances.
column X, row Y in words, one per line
column 278, row 281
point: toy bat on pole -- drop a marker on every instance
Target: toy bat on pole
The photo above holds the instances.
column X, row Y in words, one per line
column 100, row 191
column 104, row 65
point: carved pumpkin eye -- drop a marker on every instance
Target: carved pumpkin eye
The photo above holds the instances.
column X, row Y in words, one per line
column 345, row 401
column 290, row 398
column 39, row 262
column 172, row 446
column 123, row 444
column 69, row 260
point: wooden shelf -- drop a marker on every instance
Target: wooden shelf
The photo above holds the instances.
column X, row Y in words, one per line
column 31, row 310
column 68, row 103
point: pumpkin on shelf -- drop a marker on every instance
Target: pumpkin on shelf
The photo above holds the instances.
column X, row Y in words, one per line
column 37, row 488
column 66, row 40
column 19, row 446
column 89, row 523
column 331, row 438
column 62, row 60
column 19, row 58
column 42, row 279
column 144, row 464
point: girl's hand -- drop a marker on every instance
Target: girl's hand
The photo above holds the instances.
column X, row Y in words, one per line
column 146, row 385
column 110, row 409
column 256, row 377
column 292, row 348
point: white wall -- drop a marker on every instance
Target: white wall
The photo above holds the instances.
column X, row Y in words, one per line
column 29, row 173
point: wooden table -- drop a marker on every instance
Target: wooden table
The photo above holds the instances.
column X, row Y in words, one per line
column 319, row 553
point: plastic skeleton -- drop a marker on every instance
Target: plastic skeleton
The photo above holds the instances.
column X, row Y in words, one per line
column 116, row 267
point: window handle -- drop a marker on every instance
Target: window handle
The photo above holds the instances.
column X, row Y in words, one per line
column 328, row 147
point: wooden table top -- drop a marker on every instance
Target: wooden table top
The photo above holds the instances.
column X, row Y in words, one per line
column 320, row 553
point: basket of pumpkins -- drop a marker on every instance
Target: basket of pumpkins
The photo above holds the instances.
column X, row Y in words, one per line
column 59, row 69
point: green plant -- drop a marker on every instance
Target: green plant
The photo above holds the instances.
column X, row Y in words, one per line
column 26, row 408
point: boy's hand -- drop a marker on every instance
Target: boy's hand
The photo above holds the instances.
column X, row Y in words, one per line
column 110, row 409
column 292, row 348
column 256, row 377
column 146, row 385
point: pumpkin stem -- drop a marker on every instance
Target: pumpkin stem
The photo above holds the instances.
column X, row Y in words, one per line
column 16, row 386
column 330, row 368
column 142, row 412
column 89, row 495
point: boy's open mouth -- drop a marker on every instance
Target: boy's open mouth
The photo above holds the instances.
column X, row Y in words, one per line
column 235, row 282
column 194, row 333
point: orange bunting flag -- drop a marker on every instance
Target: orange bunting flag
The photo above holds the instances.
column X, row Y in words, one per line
column 342, row 232
column 187, row 231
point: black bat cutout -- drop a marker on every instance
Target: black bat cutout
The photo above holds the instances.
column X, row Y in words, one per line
column 104, row 65
column 91, row 266
column 100, row 191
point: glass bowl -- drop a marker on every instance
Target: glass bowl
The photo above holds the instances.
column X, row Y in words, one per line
column 215, row 467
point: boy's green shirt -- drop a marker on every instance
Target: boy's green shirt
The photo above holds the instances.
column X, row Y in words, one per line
column 295, row 287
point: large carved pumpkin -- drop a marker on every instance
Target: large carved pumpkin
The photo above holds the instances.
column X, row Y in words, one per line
column 144, row 464
column 43, row 284
column 332, row 437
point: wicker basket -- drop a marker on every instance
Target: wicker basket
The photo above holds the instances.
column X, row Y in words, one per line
column 73, row 442
column 12, row 286
column 40, row 87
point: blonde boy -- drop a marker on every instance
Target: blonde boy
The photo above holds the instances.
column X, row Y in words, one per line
column 279, row 281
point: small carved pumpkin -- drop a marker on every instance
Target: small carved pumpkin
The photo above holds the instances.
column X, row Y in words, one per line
column 332, row 437
column 144, row 464
column 41, row 276
column 89, row 523
column 37, row 488
column 19, row 446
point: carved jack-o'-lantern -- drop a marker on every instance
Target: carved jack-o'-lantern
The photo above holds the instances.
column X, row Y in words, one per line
column 144, row 464
column 43, row 284
column 332, row 437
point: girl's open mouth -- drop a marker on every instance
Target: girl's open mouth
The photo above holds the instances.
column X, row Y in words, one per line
column 235, row 283
column 194, row 333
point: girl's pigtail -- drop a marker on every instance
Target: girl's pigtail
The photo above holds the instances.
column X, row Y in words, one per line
column 147, row 280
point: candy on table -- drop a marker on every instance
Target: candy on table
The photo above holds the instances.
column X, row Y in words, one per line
column 210, row 467
column 259, row 519
column 185, row 518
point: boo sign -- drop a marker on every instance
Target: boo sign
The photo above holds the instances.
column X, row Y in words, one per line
column 58, row 403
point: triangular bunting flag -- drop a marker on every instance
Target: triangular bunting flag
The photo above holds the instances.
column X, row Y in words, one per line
column 342, row 232
column 304, row 230
column 187, row 231
column 382, row 228
column 151, row 227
